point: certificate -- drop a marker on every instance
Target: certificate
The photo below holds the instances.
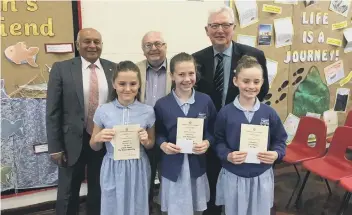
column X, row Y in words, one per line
column 254, row 139
column 126, row 142
column 189, row 132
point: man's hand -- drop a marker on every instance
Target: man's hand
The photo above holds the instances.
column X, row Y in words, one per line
column 59, row 158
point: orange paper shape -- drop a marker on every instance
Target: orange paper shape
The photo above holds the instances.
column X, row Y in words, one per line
column 19, row 54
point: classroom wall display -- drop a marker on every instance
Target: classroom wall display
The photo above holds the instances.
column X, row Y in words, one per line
column 26, row 26
column 312, row 53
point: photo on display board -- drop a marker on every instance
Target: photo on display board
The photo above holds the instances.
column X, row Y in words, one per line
column 265, row 34
column 340, row 6
column 341, row 100
column 309, row 2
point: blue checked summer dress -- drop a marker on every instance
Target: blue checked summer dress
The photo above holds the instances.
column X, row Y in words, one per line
column 124, row 183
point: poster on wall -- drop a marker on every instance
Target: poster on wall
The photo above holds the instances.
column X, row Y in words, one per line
column 247, row 12
column 283, row 32
column 334, row 72
column 340, row 6
column 342, row 95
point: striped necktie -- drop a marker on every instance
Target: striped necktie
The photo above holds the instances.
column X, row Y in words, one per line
column 219, row 75
column 93, row 98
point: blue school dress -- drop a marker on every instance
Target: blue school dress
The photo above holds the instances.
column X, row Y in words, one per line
column 251, row 191
column 124, row 183
column 187, row 194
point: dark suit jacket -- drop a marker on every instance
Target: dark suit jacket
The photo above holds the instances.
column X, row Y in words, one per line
column 205, row 61
column 65, row 107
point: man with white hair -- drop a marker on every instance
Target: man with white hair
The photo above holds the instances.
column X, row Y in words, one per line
column 217, row 64
column 156, row 83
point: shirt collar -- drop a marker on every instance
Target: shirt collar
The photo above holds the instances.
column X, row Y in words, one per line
column 237, row 104
column 119, row 105
column 163, row 65
column 191, row 100
column 227, row 52
column 86, row 64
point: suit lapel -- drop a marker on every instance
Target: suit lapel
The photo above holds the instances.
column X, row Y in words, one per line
column 143, row 72
column 76, row 71
column 232, row 90
column 108, row 74
column 168, row 78
column 209, row 65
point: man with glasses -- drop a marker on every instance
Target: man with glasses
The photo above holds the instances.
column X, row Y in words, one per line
column 156, row 83
column 217, row 64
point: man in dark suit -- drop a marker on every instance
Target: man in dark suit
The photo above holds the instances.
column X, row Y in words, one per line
column 75, row 88
column 217, row 64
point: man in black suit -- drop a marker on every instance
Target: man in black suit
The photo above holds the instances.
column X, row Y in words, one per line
column 217, row 64
column 75, row 88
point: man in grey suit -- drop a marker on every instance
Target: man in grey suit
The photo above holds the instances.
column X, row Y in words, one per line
column 75, row 88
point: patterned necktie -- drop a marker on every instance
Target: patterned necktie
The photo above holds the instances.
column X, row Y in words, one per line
column 93, row 98
column 219, row 75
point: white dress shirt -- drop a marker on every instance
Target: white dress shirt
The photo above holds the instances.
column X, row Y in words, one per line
column 102, row 82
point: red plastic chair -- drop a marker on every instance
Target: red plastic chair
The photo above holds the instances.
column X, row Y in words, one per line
column 299, row 151
column 334, row 165
column 348, row 122
column 346, row 183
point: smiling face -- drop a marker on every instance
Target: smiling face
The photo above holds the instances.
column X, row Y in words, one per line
column 154, row 48
column 184, row 76
column 220, row 30
column 89, row 44
column 249, row 81
column 126, row 85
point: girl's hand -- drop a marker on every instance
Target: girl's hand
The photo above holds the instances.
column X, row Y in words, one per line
column 237, row 157
column 268, row 157
column 170, row 148
column 104, row 135
column 143, row 137
column 201, row 148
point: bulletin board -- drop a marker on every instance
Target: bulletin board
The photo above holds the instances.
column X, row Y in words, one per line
column 300, row 85
column 34, row 35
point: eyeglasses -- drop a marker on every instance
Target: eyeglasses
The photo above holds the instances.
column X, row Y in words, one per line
column 158, row 45
column 224, row 26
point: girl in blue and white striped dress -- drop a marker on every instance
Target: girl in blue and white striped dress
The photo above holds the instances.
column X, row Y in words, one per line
column 247, row 188
column 124, row 183
column 184, row 183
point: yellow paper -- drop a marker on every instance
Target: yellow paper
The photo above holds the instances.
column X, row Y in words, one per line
column 339, row 25
column 126, row 142
column 346, row 79
column 271, row 9
column 334, row 42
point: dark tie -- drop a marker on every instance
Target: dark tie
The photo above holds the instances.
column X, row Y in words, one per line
column 219, row 76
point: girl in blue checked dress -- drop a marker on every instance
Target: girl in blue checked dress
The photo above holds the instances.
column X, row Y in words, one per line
column 184, row 183
column 247, row 188
column 124, row 183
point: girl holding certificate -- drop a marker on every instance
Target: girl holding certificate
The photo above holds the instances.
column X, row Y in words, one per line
column 124, row 183
column 184, row 183
column 246, row 181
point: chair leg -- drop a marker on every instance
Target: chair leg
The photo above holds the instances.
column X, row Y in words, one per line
column 296, row 186
column 328, row 186
column 301, row 189
column 344, row 203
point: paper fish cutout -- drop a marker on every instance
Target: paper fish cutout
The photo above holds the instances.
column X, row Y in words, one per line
column 9, row 128
column 3, row 92
column 6, row 173
column 19, row 54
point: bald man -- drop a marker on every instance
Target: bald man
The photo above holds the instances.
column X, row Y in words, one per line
column 75, row 88
column 156, row 83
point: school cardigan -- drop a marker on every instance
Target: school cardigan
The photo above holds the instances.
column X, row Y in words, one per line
column 167, row 111
column 228, row 132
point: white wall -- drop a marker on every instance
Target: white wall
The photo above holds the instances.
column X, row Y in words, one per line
column 123, row 24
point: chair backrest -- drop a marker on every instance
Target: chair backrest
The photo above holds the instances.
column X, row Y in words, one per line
column 341, row 140
column 310, row 125
column 348, row 121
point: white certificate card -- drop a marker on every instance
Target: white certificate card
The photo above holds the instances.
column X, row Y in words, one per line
column 126, row 142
